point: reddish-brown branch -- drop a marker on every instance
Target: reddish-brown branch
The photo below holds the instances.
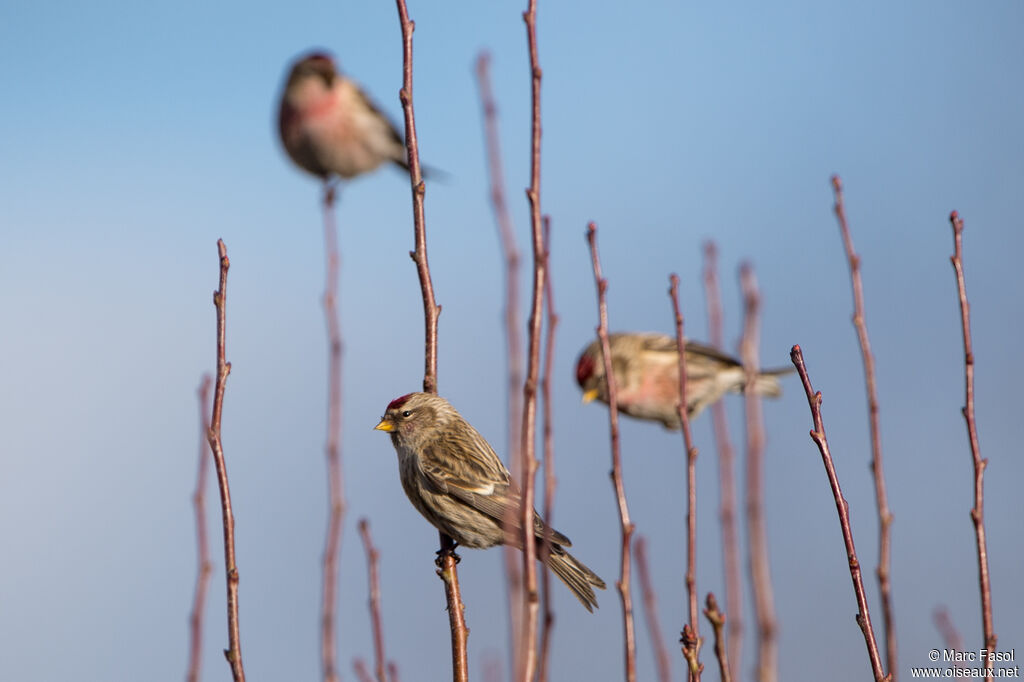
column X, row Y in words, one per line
column 691, row 470
column 548, row 623
column 651, row 611
column 818, row 436
column 393, row 671
column 718, row 621
column 446, row 556
column 431, row 310
column 335, row 482
column 513, row 335
column 372, row 559
column 978, row 512
column 881, row 497
column 726, row 474
column 359, row 668
column 944, row 624
column 629, row 634
column 204, row 565
column 234, row 651
column 760, row 567
column 528, row 639
column 690, row 644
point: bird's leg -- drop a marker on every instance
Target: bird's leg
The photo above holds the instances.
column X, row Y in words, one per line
column 446, row 551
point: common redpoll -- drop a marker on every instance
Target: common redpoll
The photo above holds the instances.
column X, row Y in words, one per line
column 330, row 127
column 453, row 477
column 646, row 367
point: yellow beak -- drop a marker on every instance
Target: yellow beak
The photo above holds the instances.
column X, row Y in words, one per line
column 385, row 425
column 591, row 395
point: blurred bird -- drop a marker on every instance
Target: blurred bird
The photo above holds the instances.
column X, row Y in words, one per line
column 330, row 127
column 453, row 477
column 646, row 367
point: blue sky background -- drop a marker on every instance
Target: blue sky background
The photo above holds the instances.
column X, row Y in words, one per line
column 134, row 135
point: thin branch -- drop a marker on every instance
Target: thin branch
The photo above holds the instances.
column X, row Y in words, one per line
column 204, row 565
column 950, row 636
column 431, row 310
column 978, row 512
column 760, row 566
column 726, row 474
column 335, row 481
column 359, row 668
column 629, row 634
column 651, row 611
column 393, row 671
column 818, row 436
column 549, row 461
column 372, row 560
column 528, row 639
column 718, row 621
column 691, row 471
column 513, row 335
column 881, row 497
column 446, row 555
column 234, row 651
column 690, row 643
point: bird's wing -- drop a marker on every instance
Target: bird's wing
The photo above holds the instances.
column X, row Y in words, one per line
column 479, row 479
column 369, row 103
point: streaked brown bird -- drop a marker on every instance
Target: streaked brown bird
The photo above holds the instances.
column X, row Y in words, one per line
column 329, row 126
column 646, row 367
column 454, row 478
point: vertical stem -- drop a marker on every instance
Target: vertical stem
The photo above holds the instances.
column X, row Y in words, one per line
column 881, row 497
column 726, row 476
column 760, row 566
column 204, row 565
column 513, row 335
column 336, row 492
column 549, row 460
column 446, row 555
column 629, row 633
column 234, row 651
column 530, row 598
column 372, row 560
column 691, row 467
column 651, row 611
column 818, row 436
column 718, row 621
column 978, row 512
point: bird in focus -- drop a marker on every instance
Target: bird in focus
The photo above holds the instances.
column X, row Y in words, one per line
column 646, row 367
column 329, row 126
column 454, row 478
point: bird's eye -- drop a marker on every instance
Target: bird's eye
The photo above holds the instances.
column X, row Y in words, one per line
column 407, row 413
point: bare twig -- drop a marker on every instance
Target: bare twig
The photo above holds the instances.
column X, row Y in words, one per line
column 446, row 555
column 718, row 621
column 691, row 471
column 359, row 668
column 234, row 651
column 881, row 497
column 818, row 436
column 629, row 634
column 651, row 611
column 513, row 335
column 690, row 644
column 528, row 639
column 393, row 671
column 335, row 482
column 431, row 310
column 760, row 567
column 549, row 461
column 726, row 475
column 204, row 565
column 944, row 624
column 372, row 559
column 978, row 512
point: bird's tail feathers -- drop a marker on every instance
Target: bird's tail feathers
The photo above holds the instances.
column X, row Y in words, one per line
column 576, row 576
